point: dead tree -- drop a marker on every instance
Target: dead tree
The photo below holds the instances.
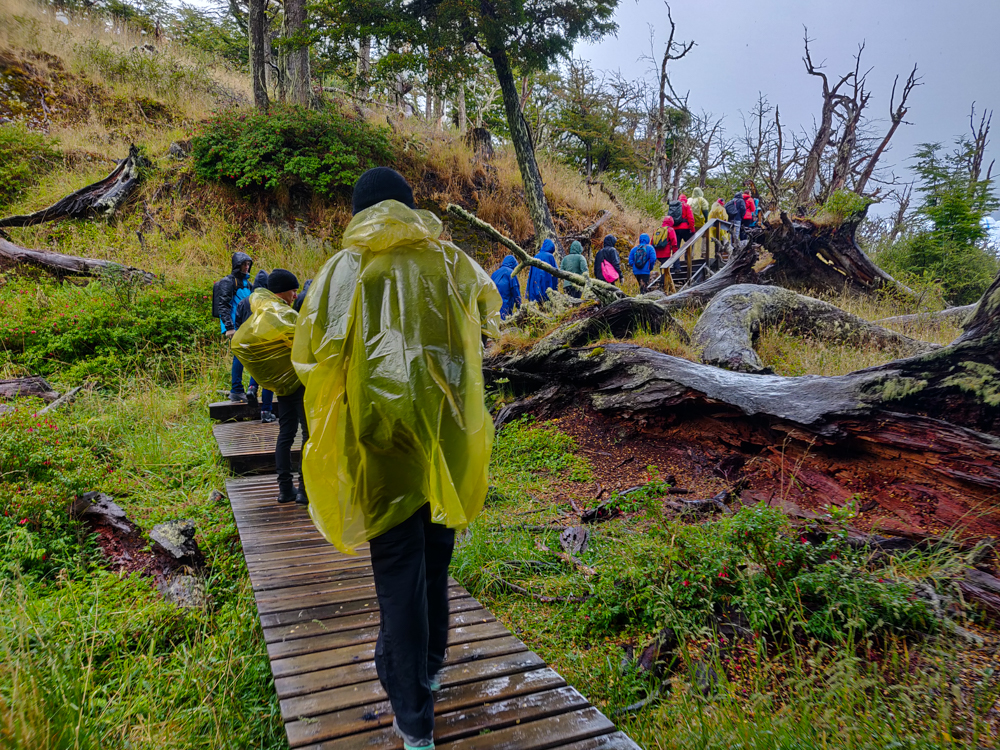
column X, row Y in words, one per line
column 896, row 115
column 70, row 265
column 926, row 426
column 673, row 51
column 850, row 113
column 101, row 198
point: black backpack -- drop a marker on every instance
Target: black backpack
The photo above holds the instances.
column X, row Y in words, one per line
column 641, row 256
column 676, row 212
column 732, row 210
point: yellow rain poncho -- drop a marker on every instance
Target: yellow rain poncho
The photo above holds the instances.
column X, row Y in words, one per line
column 699, row 206
column 264, row 343
column 717, row 233
column 389, row 347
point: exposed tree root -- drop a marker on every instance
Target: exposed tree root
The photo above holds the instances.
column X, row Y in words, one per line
column 953, row 315
column 102, row 198
column 731, row 323
column 808, row 255
column 739, row 270
column 70, row 265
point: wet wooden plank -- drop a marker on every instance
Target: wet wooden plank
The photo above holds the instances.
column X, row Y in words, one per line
column 233, row 411
column 365, row 717
column 470, row 721
column 320, row 618
column 249, row 446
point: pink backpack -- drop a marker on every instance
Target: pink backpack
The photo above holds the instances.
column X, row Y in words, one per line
column 609, row 272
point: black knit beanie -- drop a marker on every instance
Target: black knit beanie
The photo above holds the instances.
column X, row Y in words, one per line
column 281, row 280
column 610, row 241
column 381, row 184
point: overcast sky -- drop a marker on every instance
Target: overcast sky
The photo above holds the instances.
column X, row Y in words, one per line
column 746, row 47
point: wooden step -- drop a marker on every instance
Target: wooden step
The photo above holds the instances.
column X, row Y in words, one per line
column 320, row 618
column 249, row 446
column 233, row 411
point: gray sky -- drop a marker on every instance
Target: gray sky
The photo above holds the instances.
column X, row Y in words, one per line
column 954, row 43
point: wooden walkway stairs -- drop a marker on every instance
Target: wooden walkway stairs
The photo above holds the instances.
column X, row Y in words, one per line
column 319, row 616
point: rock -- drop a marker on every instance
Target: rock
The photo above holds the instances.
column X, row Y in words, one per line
column 659, row 651
column 705, row 679
column 98, row 507
column 216, row 497
column 177, row 539
column 185, row 591
column 177, row 151
column 574, row 540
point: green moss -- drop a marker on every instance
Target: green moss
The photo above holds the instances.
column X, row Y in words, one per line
column 597, row 351
column 896, row 389
column 979, row 379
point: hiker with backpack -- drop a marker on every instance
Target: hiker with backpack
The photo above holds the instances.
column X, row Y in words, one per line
column 574, row 262
column 243, row 312
column 699, row 205
column 607, row 264
column 227, row 293
column 665, row 240
column 718, row 211
column 508, row 286
column 749, row 214
column 683, row 218
column 641, row 259
column 735, row 209
column 539, row 281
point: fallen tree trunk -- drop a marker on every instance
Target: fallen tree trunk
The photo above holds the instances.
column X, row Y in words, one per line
column 926, row 426
column 731, row 323
column 71, row 265
column 815, row 256
column 739, row 270
column 605, row 292
column 953, row 315
column 102, row 198
column 33, row 385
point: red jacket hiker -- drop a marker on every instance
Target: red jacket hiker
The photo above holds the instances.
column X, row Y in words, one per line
column 665, row 251
column 751, row 207
column 687, row 215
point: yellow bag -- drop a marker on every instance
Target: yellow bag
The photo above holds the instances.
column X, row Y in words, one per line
column 388, row 344
column 264, row 343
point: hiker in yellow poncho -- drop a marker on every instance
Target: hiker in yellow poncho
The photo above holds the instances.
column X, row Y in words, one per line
column 699, row 206
column 389, row 346
column 718, row 211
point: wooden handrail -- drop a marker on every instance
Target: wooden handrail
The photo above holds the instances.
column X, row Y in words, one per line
column 727, row 225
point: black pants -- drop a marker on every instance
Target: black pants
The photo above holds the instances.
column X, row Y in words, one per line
column 683, row 235
column 643, row 279
column 291, row 416
column 573, row 291
column 410, row 563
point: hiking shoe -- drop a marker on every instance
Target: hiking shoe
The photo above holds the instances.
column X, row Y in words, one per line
column 436, row 682
column 287, row 496
column 412, row 743
column 237, row 398
column 301, row 498
column 251, row 397
column 268, row 416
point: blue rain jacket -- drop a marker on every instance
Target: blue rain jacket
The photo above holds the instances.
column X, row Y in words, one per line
column 508, row 286
column 539, row 281
column 647, row 267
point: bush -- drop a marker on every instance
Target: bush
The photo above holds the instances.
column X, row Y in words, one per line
column 844, row 204
column 97, row 333
column 24, row 157
column 324, row 151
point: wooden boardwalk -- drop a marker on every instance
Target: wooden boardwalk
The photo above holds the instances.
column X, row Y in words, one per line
column 320, row 619
column 249, row 446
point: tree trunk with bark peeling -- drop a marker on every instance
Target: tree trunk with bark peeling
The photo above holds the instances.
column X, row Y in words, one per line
column 814, row 256
column 731, row 323
column 102, row 198
column 70, row 265
column 928, row 424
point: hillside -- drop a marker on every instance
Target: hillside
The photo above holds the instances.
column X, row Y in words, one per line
column 695, row 618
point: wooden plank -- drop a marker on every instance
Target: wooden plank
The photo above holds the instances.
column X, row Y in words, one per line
column 539, row 735
column 613, row 741
column 329, row 650
column 326, row 701
column 471, row 721
column 358, row 718
column 329, row 611
column 249, row 446
column 233, row 411
column 357, row 665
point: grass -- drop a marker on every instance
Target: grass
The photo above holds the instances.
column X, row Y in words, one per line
column 783, row 692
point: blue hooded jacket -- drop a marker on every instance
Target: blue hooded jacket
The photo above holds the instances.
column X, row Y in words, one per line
column 646, row 268
column 508, row 286
column 539, row 281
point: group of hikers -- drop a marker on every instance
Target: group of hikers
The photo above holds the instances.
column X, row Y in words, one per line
column 685, row 216
column 379, row 363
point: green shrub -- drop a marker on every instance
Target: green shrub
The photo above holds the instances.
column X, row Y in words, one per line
column 24, row 157
column 95, row 332
column 843, row 204
column 256, row 151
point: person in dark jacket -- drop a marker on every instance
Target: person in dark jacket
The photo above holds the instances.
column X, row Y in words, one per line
column 302, row 295
column 266, row 397
column 574, row 262
column 539, row 281
column 229, row 292
column 610, row 254
column 735, row 209
column 291, row 409
column 641, row 259
column 508, row 286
